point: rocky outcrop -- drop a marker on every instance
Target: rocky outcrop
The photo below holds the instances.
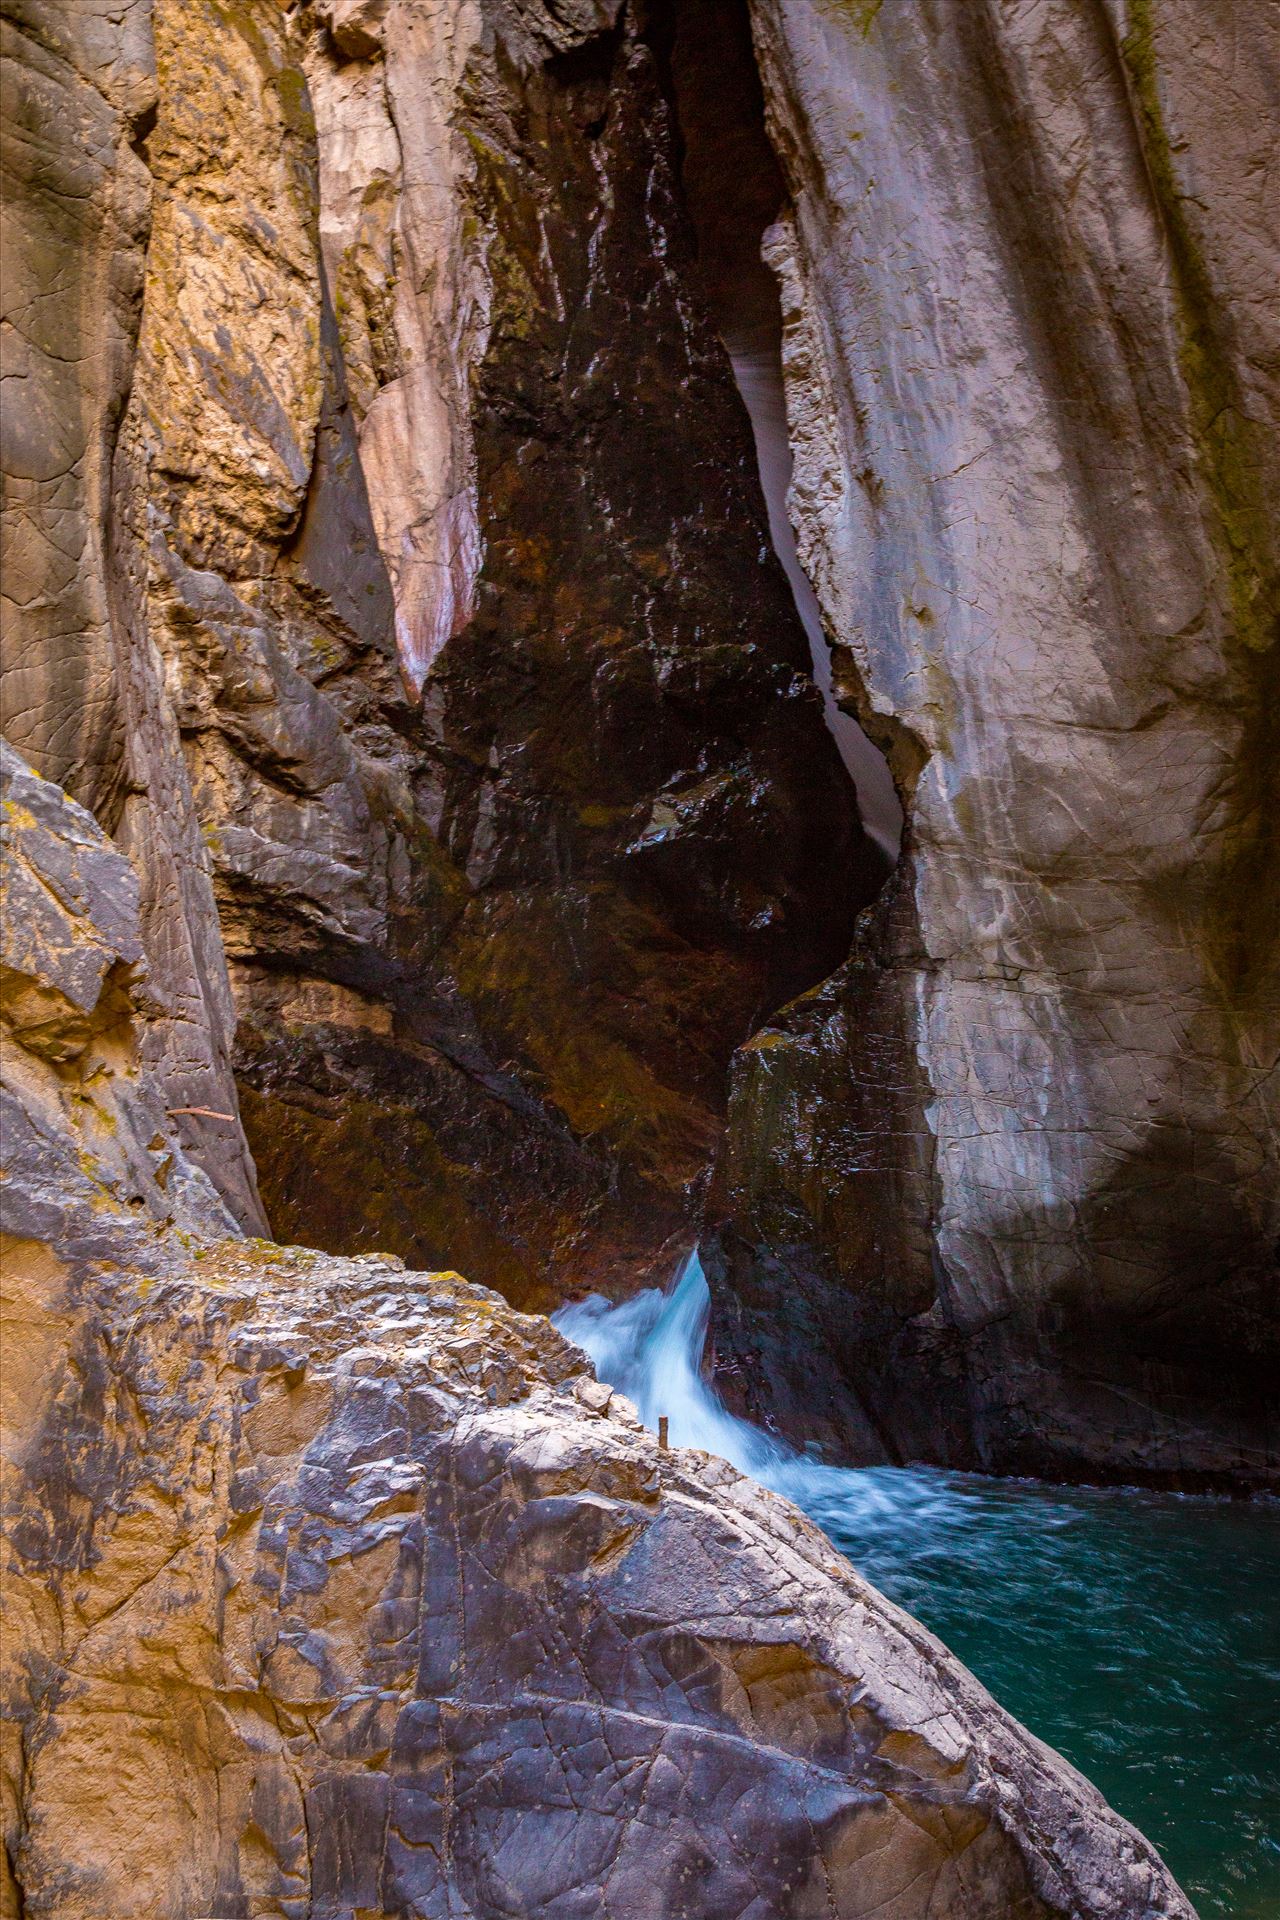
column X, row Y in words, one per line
column 389, row 1609
column 332, row 1588
column 82, row 689
column 1018, row 1160
column 90, row 1149
column 78, row 87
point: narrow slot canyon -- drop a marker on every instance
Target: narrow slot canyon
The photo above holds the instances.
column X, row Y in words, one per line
column 643, row 839
column 735, row 192
column 638, row 969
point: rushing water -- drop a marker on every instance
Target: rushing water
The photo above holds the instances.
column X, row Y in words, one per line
column 1138, row 1633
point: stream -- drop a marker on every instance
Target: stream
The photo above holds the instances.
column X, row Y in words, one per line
column 1136, row 1632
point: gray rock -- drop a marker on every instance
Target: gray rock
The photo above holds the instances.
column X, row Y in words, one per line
column 302, row 305
column 77, row 82
column 1031, row 348
column 404, row 1631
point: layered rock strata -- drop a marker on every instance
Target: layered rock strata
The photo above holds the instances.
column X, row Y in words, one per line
column 335, row 1589
column 82, row 688
column 1018, row 1161
column 424, row 386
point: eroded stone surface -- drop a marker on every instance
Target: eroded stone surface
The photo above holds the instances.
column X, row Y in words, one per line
column 489, row 960
column 82, row 686
column 1031, row 361
column 77, row 82
column 376, row 1614
column 408, row 282
column 86, row 1130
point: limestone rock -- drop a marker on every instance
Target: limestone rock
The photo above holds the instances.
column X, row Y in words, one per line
column 374, row 1616
column 389, row 575
column 490, row 954
column 82, row 687
column 357, row 26
column 77, row 82
column 90, row 1150
column 1031, row 352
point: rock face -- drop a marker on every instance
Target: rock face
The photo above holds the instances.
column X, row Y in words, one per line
column 334, row 1589
column 631, row 766
column 1018, row 1161
column 86, row 1132
column 391, row 409
column 385, row 1609
column 77, row 84
column 81, row 689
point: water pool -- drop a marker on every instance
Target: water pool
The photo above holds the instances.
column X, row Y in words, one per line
column 1138, row 1633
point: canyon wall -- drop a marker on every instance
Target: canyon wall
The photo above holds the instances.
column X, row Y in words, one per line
column 83, row 685
column 425, row 837
column 423, row 387
column 1017, row 1163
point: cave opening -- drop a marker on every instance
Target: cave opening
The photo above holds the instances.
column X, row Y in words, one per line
column 735, row 191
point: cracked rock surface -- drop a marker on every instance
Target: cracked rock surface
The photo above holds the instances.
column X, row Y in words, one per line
column 338, row 1590
column 433, row 667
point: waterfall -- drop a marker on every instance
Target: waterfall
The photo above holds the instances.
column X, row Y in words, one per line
column 650, row 1349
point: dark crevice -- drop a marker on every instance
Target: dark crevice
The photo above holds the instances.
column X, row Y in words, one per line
column 735, row 191
column 144, row 125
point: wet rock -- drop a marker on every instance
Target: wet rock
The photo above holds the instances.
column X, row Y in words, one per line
column 628, row 752
column 333, row 1587
column 390, row 575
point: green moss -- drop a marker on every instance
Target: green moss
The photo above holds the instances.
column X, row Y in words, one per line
column 295, row 102
column 596, row 816
column 1227, row 439
column 864, row 13
column 1241, row 924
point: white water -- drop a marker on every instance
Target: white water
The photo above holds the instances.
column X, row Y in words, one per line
column 650, row 1349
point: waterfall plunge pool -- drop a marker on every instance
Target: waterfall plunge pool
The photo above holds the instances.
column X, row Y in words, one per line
column 1136, row 1632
